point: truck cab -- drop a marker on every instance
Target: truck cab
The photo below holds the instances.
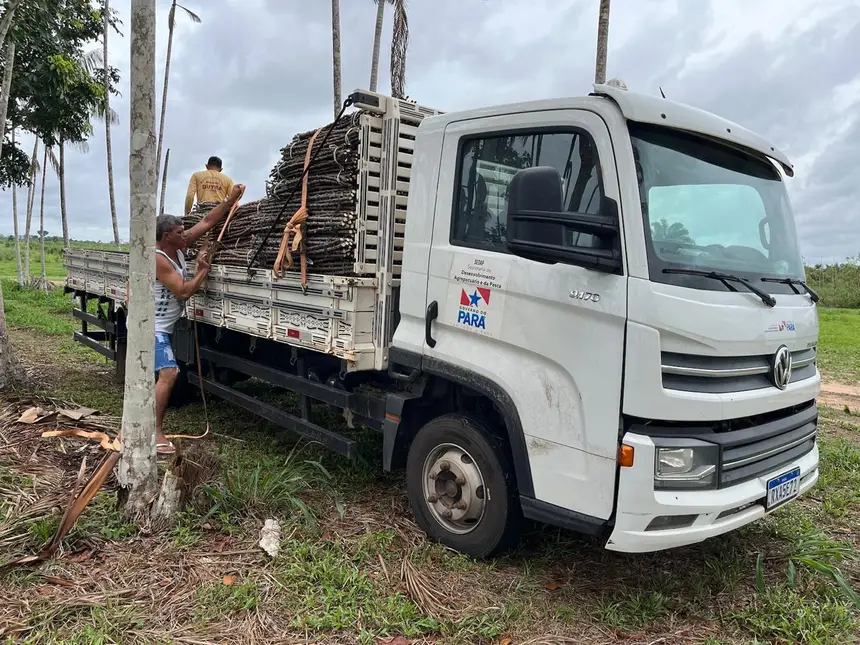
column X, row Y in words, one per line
column 618, row 278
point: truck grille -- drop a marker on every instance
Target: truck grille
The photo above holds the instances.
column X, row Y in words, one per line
column 758, row 450
column 727, row 374
column 749, row 447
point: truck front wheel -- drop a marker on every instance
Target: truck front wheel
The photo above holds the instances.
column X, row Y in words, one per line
column 461, row 486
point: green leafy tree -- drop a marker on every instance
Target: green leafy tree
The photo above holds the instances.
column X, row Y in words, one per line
column 57, row 88
column 53, row 94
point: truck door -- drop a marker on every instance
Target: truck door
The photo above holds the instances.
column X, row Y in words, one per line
column 550, row 335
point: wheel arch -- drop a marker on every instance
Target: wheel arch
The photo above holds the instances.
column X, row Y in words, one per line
column 407, row 412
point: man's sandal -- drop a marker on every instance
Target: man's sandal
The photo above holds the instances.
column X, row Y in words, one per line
column 165, row 448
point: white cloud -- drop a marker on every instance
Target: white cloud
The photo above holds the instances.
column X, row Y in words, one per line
column 256, row 72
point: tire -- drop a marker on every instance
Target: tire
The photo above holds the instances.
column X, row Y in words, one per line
column 491, row 521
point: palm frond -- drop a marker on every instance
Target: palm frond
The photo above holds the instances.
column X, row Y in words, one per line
column 399, row 45
column 98, row 112
column 92, row 60
column 80, row 146
column 53, row 160
column 194, row 17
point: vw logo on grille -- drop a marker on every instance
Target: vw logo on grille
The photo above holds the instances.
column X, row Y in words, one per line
column 782, row 367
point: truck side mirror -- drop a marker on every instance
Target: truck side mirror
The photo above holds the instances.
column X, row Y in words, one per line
column 540, row 229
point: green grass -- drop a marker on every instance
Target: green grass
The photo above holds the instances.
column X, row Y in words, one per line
column 784, row 579
column 53, row 256
column 839, row 344
column 47, row 313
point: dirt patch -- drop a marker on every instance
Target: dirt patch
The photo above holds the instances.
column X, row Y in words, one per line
column 52, row 361
column 839, row 395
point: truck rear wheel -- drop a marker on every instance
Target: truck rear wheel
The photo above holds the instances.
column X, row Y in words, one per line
column 461, row 486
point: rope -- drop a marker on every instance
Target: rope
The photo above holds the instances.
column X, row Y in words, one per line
column 202, row 389
column 216, row 248
column 296, row 225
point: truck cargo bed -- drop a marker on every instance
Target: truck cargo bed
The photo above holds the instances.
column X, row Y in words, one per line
column 334, row 315
column 351, row 317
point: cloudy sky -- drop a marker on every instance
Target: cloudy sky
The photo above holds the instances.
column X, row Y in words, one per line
column 255, row 72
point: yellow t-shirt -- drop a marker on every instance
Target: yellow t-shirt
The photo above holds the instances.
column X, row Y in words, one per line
column 208, row 186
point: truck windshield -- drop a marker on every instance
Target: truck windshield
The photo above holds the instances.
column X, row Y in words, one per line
column 710, row 207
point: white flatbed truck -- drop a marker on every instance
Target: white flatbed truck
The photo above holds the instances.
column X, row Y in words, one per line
column 592, row 313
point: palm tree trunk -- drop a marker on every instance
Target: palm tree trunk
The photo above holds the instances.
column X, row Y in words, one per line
column 18, row 268
column 335, row 53
column 171, row 23
column 399, row 46
column 602, row 42
column 377, row 41
column 44, row 274
column 31, row 199
column 107, row 127
column 8, row 370
column 63, row 213
column 137, row 467
column 4, row 105
column 164, row 182
column 6, row 21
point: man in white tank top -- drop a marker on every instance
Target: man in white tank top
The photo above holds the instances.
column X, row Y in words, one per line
column 172, row 289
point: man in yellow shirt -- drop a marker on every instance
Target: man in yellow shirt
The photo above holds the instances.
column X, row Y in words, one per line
column 210, row 185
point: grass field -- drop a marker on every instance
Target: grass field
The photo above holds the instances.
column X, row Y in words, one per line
column 352, row 566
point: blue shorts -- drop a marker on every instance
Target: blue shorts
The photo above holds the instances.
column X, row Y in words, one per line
column 164, row 358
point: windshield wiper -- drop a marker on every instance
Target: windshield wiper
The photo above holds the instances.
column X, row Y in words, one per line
column 727, row 279
column 794, row 281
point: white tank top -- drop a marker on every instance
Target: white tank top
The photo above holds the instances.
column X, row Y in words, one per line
column 168, row 308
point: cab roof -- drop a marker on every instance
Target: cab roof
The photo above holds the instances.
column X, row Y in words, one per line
column 643, row 108
column 640, row 108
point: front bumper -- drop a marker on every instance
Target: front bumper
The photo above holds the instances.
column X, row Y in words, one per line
column 716, row 511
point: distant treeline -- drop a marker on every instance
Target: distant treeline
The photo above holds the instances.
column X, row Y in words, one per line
column 838, row 284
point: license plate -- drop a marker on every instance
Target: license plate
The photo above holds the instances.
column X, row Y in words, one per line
column 783, row 488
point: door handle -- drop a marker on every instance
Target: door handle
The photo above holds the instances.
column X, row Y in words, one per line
column 432, row 314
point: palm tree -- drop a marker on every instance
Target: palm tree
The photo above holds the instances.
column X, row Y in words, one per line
column 43, row 280
column 663, row 231
column 602, row 42
column 4, row 104
column 90, row 61
column 399, row 44
column 164, row 182
column 171, row 23
column 19, row 270
column 8, row 370
column 137, row 467
column 377, row 41
column 31, row 198
column 107, row 110
column 335, row 53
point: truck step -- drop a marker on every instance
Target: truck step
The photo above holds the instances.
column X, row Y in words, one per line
column 368, row 407
column 331, row 440
column 91, row 339
column 89, row 318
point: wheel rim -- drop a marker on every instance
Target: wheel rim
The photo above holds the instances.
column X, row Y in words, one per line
column 454, row 488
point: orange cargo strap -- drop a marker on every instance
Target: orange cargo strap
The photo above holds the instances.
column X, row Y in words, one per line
column 296, row 225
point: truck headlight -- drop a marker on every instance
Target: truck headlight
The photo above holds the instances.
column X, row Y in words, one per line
column 686, row 466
